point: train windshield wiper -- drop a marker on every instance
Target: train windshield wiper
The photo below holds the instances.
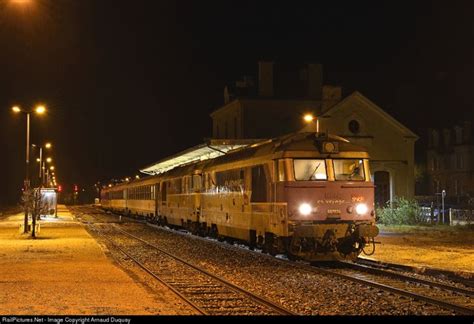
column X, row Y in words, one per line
column 314, row 171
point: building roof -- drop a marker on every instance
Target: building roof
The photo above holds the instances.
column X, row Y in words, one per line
column 358, row 96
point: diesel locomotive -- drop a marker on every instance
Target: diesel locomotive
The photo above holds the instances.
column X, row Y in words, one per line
column 307, row 195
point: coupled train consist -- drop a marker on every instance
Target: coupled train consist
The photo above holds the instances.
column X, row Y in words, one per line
column 307, row 195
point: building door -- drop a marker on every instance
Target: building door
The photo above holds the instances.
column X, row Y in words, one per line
column 382, row 187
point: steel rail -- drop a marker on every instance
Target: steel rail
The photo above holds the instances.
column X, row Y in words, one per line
column 141, row 265
column 400, row 276
column 430, row 300
column 427, row 299
column 258, row 299
column 426, row 271
column 406, row 293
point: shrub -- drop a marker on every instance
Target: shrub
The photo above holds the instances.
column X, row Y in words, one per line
column 401, row 212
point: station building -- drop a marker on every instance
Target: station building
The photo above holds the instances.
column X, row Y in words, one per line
column 273, row 104
column 450, row 162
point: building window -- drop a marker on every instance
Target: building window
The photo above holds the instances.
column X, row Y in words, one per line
column 354, row 126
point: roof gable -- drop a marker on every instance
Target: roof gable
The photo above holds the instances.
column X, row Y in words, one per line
column 371, row 105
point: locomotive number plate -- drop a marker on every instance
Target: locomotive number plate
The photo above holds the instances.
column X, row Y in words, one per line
column 357, row 198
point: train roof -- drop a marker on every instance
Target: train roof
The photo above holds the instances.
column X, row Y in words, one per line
column 222, row 151
column 217, row 152
column 209, row 150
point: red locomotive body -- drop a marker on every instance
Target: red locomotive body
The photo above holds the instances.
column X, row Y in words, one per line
column 306, row 195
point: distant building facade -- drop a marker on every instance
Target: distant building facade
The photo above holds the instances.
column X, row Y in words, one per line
column 450, row 162
column 274, row 104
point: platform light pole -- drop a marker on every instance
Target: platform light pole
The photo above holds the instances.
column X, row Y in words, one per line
column 40, row 161
column 38, row 110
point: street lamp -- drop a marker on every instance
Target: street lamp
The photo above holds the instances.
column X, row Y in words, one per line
column 38, row 110
column 41, row 162
column 309, row 120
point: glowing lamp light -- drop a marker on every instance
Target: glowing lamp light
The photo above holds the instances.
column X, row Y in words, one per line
column 20, row 2
column 16, row 109
column 40, row 109
column 47, row 145
column 361, row 209
column 308, row 118
column 305, row 209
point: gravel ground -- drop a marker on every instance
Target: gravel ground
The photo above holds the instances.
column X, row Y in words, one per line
column 442, row 247
column 296, row 289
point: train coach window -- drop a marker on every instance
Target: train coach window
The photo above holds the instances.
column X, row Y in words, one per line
column 349, row 169
column 230, row 180
column 310, row 169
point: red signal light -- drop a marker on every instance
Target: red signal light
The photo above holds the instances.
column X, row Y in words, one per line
column 76, row 188
column 60, row 188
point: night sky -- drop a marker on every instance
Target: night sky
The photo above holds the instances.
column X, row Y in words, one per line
column 130, row 82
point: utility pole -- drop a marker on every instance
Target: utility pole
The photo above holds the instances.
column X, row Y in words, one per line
column 443, row 194
column 27, row 177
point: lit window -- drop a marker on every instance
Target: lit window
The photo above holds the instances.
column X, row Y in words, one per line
column 349, row 169
column 310, row 170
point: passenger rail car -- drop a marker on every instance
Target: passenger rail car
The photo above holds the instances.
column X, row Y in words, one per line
column 307, row 195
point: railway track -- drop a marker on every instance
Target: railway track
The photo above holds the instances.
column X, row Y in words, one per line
column 207, row 293
column 450, row 297
column 442, row 274
column 458, row 300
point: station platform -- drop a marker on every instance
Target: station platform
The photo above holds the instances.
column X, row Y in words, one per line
column 64, row 271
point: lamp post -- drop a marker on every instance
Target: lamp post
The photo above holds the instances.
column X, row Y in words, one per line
column 38, row 110
column 311, row 126
column 40, row 161
column 46, row 171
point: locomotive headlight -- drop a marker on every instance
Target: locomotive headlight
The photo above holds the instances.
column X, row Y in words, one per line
column 361, row 209
column 305, row 209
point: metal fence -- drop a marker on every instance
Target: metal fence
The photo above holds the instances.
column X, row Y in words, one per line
column 450, row 216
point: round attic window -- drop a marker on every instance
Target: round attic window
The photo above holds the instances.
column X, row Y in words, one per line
column 354, row 126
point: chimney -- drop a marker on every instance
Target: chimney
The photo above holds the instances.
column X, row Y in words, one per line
column 265, row 79
column 226, row 95
column 433, row 138
column 458, row 132
column 315, row 81
column 331, row 95
column 467, row 132
column 446, row 137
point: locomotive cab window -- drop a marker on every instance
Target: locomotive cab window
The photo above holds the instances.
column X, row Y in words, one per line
column 306, row 170
column 349, row 169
